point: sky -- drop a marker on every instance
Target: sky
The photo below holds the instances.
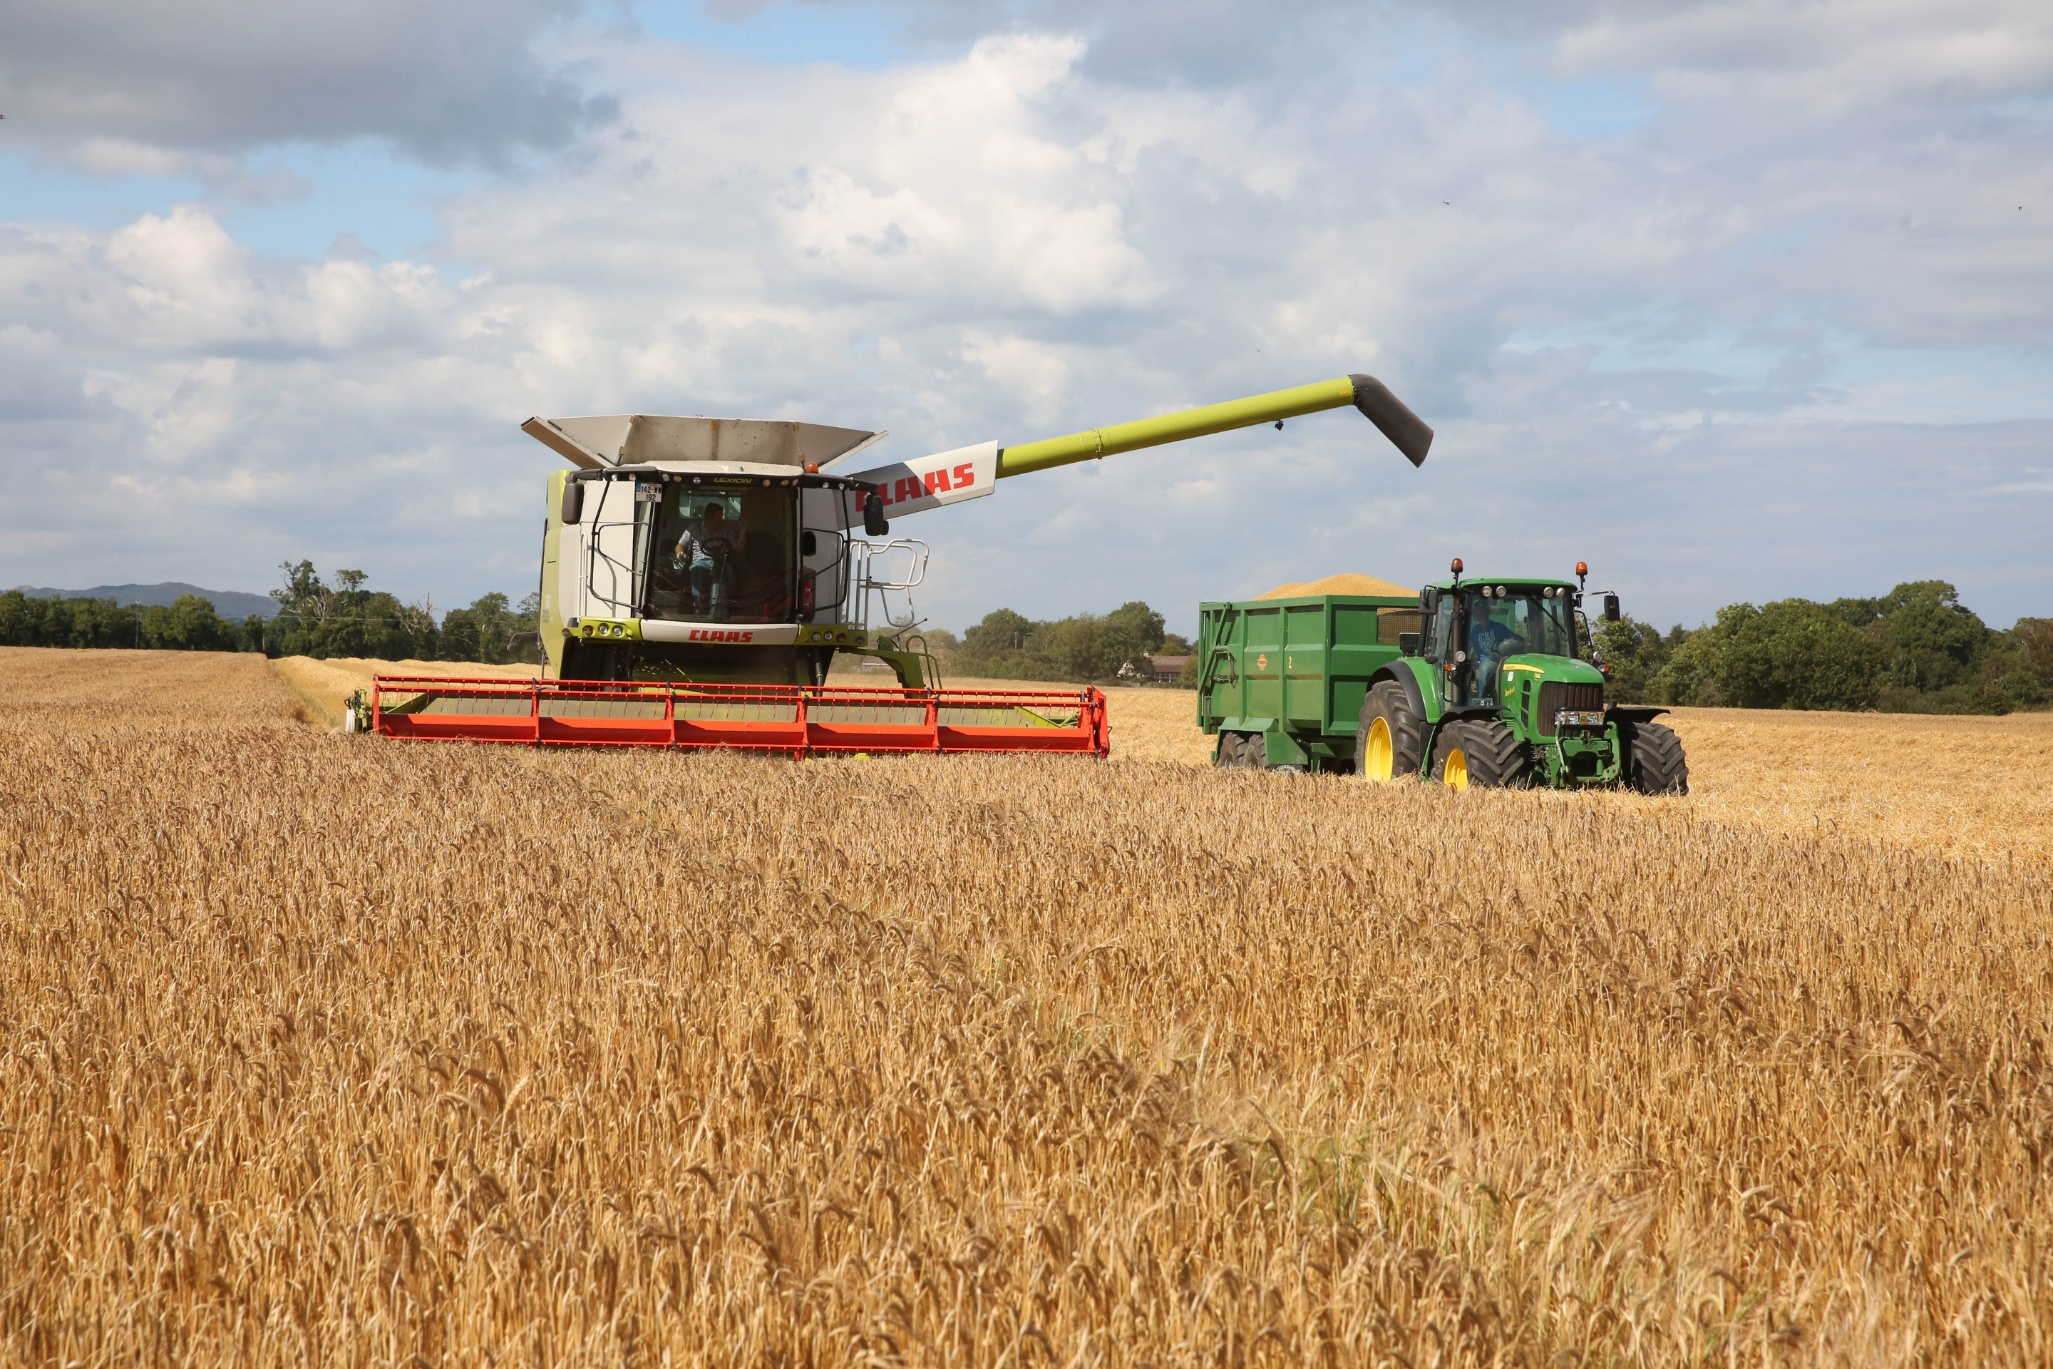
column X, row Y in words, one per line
column 1734, row 301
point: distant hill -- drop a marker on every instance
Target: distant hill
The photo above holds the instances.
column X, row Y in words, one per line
column 229, row 603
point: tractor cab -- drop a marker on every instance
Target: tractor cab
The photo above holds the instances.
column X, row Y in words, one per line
column 1489, row 632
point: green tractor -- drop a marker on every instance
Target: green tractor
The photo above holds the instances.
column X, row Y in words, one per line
column 1501, row 687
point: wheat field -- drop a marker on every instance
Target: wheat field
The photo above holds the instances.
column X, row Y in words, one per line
column 322, row 1049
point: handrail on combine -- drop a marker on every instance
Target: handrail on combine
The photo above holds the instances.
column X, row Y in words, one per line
column 799, row 720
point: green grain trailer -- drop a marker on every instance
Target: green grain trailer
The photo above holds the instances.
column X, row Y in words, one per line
column 1491, row 682
column 1282, row 680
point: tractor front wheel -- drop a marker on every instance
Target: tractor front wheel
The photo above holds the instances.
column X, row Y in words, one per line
column 1654, row 763
column 1390, row 739
column 1479, row 752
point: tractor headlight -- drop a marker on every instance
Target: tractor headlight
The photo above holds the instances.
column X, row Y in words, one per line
column 1570, row 717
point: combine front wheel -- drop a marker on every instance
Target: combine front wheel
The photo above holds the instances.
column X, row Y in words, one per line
column 1654, row 760
column 1476, row 751
column 1390, row 738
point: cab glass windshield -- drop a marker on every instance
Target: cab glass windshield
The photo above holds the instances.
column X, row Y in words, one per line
column 1521, row 620
column 721, row 555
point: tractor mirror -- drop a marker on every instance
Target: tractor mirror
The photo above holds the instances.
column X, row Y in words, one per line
column 1429, row 601
column 1407, row 643
column 874, row 522
column 808, row 543
column 1610, row 608
column 573, row 500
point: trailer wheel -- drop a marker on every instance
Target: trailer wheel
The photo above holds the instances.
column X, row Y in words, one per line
column 1479, row 752
column 1654, row 763
column 1241, row 751
column 1390, row 738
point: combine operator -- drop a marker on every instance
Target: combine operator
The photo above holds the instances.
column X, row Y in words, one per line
column 707, row 551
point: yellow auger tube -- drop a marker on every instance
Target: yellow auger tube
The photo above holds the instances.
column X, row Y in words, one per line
column 1371, row 396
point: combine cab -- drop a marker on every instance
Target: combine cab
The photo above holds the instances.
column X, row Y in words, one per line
column 699, row 576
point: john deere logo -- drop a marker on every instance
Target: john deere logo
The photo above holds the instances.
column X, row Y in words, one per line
column 1262, row 661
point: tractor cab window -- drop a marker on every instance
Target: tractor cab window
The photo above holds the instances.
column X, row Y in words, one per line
column 1502, row 621
column 723, row 554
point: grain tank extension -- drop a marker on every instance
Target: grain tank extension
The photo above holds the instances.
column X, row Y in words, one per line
column 700, row 575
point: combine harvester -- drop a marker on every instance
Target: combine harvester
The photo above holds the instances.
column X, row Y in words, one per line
column 699, row 576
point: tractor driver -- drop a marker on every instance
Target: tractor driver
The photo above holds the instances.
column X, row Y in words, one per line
column 1486, row 639
column 707, row 548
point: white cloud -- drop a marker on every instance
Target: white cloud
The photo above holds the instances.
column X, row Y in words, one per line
column 125, row 86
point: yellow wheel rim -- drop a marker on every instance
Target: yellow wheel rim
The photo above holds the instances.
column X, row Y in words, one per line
column 1379, row 760
column 1455, row 776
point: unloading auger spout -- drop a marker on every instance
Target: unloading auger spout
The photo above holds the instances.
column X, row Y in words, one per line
column 951, row 477
column 1405, row 429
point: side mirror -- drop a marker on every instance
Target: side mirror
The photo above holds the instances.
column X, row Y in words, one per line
column 1407, row 643
column 1610, row 608
column 1429, row 601
column 874, row 523
column 573, row 500
column 808, row 543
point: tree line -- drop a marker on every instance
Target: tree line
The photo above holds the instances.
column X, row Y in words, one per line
column 1086, row 646
column 1916, row 649
column 314, row 618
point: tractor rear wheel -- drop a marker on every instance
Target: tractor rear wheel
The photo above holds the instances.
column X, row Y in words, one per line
column 1390, row 739
column 1654, row 763
column 1480, row 752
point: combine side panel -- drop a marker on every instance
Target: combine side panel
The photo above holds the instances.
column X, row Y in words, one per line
column 794, row 719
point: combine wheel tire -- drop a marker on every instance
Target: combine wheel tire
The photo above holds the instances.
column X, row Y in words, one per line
column 1479, row 752
column 1654, row 760
column 1390, row 739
